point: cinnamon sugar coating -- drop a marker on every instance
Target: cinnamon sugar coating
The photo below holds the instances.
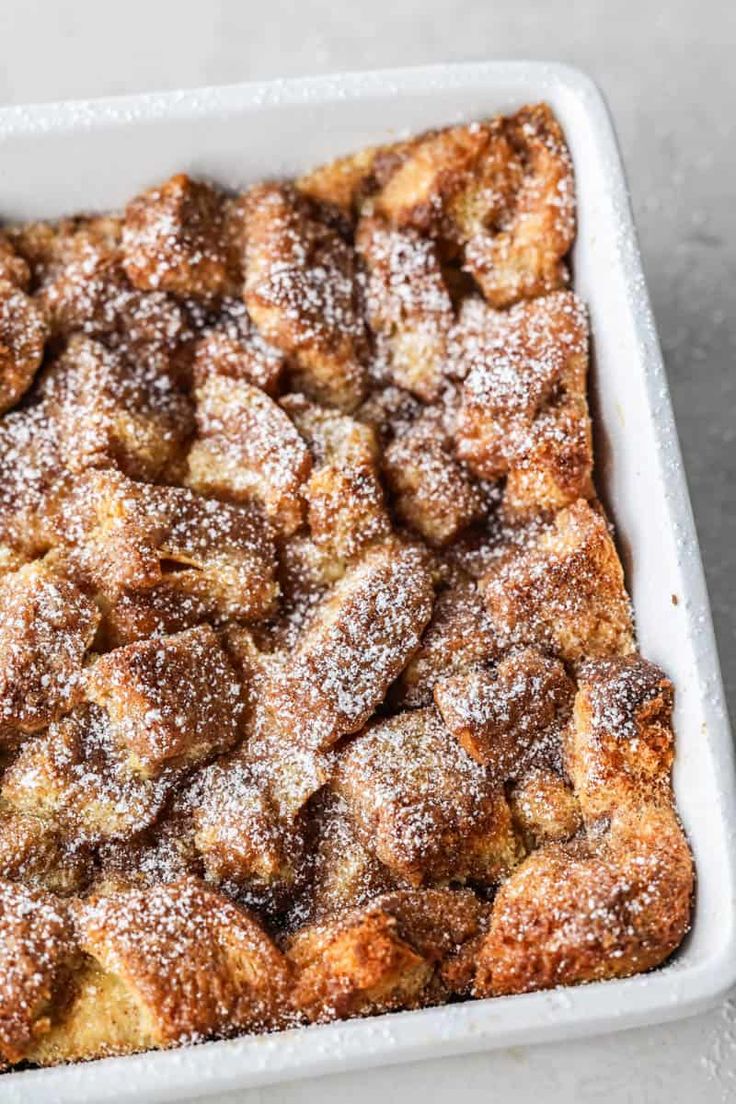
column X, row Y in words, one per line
column 319, row 690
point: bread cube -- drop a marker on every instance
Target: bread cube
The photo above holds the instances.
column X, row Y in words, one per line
column 37, row 950
column 345, row 506
column 46, row 625
column 76, row 778
column 428, row 811
column 459, row 635
column 452, row 183
column 31, row 478
column 13, row 268
column 23, row 334
column 247, row 448
column 175, row 239
column 393, row 953
column 506, row 716
column 524, row 414
column 544, row 808
column 240, row 832
column 345, row 874
column 407, row 303
column 574, row 913
column 302, row 293
column 432, row 493
column 171, row 702
column 233, row 347
column 38, row 853
column 523, row 258
column 620, row 745
column 357, row 642
column 564, row 589
column 113, row 413
column 171, row 964
column 166, row 558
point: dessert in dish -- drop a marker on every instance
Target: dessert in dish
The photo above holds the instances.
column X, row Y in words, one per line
column 319, row 690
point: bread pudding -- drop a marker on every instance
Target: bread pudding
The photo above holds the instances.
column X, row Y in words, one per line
column 319, row 687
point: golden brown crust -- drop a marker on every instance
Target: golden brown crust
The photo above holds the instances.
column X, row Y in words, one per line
column 407, row 304
column 570, row 915
column 432, row 493
column 524, row 414
column 174, row 239
column 397, row 952
column 544, row 808
column 427, row 810
column 505, row 716
column 356, row 643
column 164, row 558
column 36, row 950
column 525, row 258
column 459, row 635
column 246, row 448
column 47, row 623
column 174, row 701
column 187, row 964
column 301, row 291
column 23, row 333
column 345, row 504
column 620, row 746
column 564, row 589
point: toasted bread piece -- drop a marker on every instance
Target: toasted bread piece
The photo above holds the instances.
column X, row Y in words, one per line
column 345, row 505
column 432, row 493
column 524, row 414
column 169, row 964
column 23, row 333
column 240, row 832
column 31, row 478
column 393, row 953
column 13, row 268
column 544, row 808
column 459, row 635
column 82, row 288
column 345, row 874
column 75, row 777
column 113, row 413
column 407, row 303
column 301, row 291
column 428, row 811
column 39, row 854
column 348, row 182
column 37, row 950
column 247, row 448
column 175, row 239
column 233, row 347
column 564, row 589
column 452, row 183
column 574, row 912
column 171, row 702
column 47, row 623
column 504, row 716
column 165, row 558
column 620, row 745
column 525, row 257
column 356, row 643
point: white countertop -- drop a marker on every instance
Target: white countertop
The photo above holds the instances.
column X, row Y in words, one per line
column 670, row 77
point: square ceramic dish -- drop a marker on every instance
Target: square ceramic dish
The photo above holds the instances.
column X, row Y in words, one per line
column 90, row 156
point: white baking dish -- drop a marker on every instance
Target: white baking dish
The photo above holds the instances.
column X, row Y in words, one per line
column 68, row 157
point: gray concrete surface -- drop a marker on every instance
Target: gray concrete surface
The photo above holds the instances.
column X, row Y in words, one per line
column 669, row 73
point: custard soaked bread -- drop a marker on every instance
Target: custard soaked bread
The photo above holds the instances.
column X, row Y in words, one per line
column 319, row 689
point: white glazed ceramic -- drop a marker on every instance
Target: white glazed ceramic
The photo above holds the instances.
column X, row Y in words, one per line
column 64, row 158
